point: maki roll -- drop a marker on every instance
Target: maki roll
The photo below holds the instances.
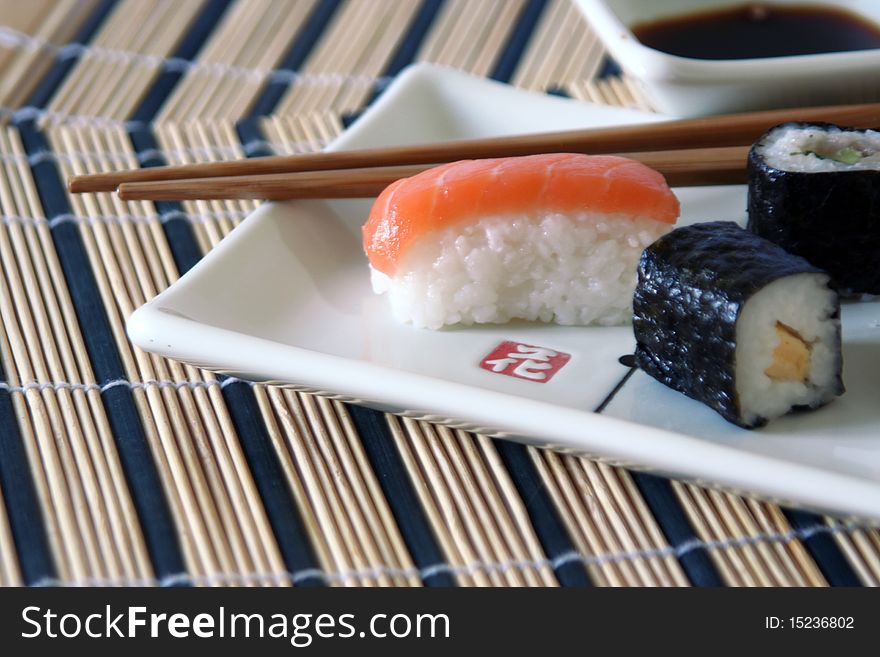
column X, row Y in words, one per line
column 814, row 189
column 736, row 322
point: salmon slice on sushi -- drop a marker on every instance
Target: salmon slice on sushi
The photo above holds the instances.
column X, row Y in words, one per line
column 552, row 238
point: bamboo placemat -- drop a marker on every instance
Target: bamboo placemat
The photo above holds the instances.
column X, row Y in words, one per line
column 120, row 467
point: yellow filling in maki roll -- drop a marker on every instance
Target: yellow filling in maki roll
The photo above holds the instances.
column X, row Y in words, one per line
column 791, row 357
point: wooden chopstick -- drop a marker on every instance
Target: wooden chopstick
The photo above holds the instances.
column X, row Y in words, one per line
column 727, row 130
column 686, row 167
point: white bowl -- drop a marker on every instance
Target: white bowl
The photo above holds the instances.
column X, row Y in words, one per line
column 683, row 86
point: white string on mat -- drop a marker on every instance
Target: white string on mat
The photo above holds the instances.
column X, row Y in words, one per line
column 249, row 148
column 17, row 115
column 117, row 383
column 27, row 113
column 11, row 38
column 221, row 579
column 165, row 217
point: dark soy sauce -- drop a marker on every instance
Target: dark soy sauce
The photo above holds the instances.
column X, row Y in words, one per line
column 760, row 30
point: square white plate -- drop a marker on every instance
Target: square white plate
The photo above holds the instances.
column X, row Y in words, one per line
column 285, row 298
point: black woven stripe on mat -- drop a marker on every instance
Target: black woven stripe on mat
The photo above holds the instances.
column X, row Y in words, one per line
column 549, row 527
column 406, row 52
column 416, row 32
column 824, row 550
column 372, row 429
column 199, row 31
column 177, row 228
column 140, row 472
column 408, row 512
column 20, row 495
column 278, row 501
column 677, row 528
column 300, row 48
column 609, row 69
column 287, row 525
column 519, row 38
column 59, row 70
column 290, row 532
column 505, row 67
column 134, row 453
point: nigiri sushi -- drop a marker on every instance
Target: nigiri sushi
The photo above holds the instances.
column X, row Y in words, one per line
column 553, row 238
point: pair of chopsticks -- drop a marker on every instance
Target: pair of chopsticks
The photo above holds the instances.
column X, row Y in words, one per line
column 688, row 152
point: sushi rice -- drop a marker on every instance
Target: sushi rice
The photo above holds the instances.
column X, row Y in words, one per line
column 573, row 269
column 805, row 304
column 820, row 148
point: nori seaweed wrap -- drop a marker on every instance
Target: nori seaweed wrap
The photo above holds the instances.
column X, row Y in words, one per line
column 814, row 189
column 734, row 321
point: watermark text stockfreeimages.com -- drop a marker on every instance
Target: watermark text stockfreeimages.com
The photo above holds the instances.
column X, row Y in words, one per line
column 301, row 629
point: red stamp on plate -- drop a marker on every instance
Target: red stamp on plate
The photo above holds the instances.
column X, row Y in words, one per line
column 525, row 361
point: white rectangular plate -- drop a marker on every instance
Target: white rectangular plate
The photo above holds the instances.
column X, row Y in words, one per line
column 285, row 298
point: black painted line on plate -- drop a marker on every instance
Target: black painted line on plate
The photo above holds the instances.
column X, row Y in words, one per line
column 824, row 549
column 53, row 79
column 610, row 396
column 303, row 44
column 198, row 33
column 134, row 452
column 518, row 40
column 20, row 495
column 392, row 473
column 551, row 531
